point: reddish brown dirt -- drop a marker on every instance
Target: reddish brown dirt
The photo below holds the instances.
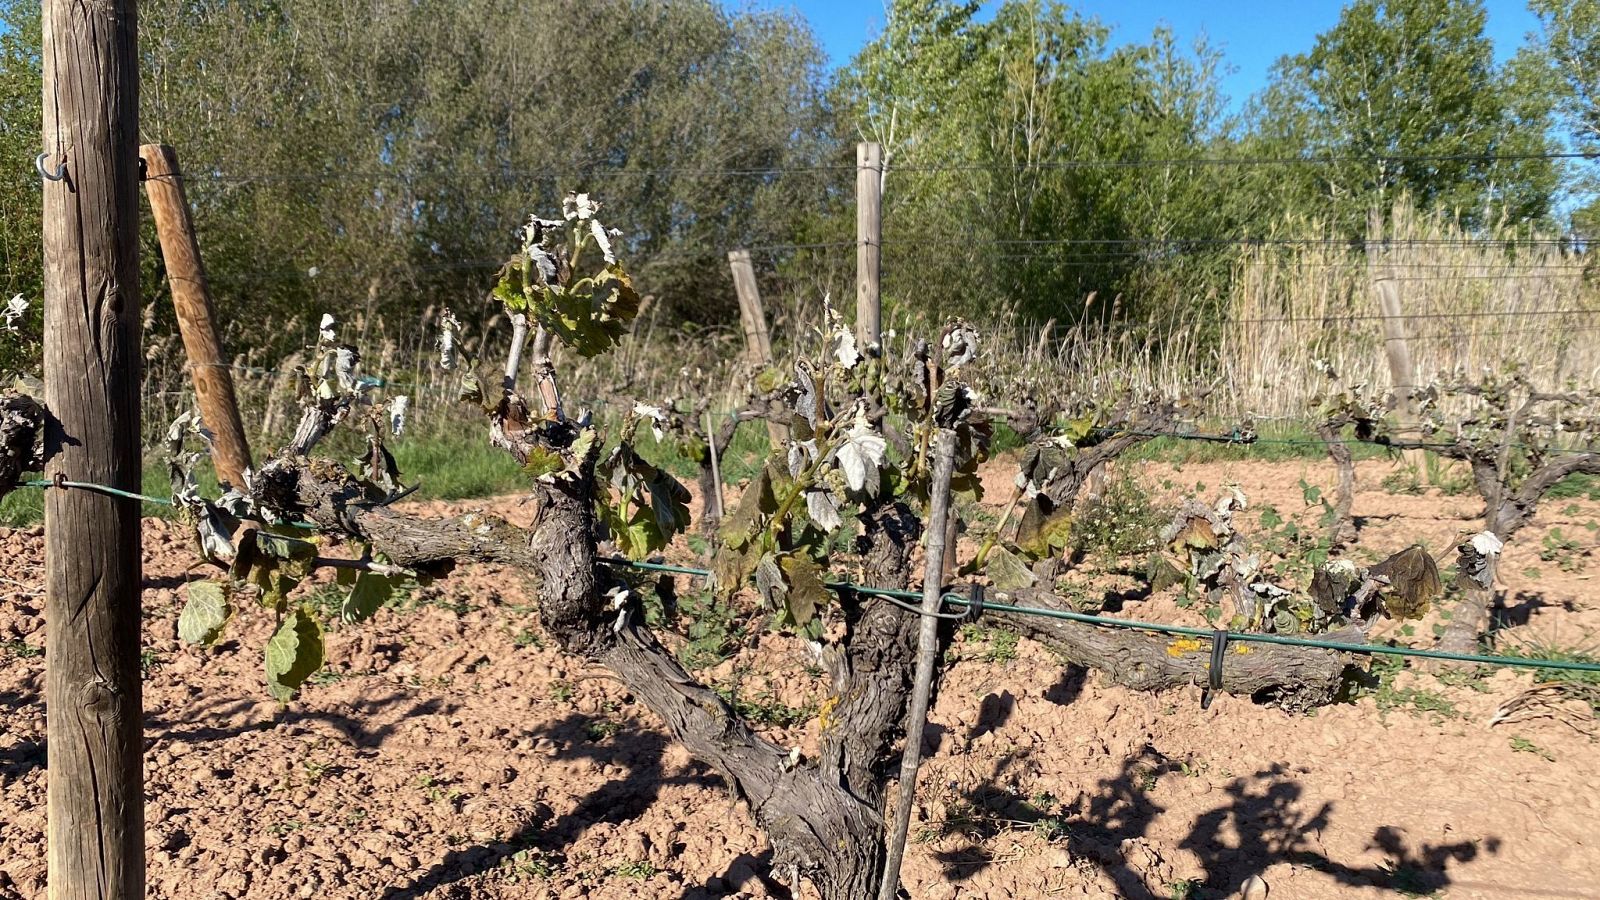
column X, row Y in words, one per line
column 450, row 753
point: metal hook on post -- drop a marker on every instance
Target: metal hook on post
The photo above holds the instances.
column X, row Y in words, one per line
column 61, row 170
column 1219, row 647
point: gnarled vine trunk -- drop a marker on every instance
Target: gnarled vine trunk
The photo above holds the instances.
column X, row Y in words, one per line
column 824, row 817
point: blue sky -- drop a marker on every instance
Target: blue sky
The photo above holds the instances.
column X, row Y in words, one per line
column 1251, row 33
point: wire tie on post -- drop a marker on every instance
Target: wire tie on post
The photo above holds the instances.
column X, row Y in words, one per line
column 974, row 604
column 61, row 170
column 1219, row 646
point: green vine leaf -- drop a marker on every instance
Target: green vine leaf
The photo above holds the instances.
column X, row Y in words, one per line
column 205, row 613
column 367, row 595
column 294, row 653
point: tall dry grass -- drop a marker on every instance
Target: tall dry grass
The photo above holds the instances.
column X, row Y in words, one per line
column 1471, row 301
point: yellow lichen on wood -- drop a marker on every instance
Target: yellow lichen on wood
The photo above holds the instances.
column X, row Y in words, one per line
column 825, row 713
column 1184, row 645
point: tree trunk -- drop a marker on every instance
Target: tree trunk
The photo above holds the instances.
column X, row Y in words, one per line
column 91, row 387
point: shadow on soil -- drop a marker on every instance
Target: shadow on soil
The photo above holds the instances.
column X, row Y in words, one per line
column 1260, row 824
column 541, row 842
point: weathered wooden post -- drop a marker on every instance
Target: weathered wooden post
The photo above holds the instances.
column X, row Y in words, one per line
column 91, row 386
column 191, row 296
column 869, row 242
column 1396, row 347
column 757, row 343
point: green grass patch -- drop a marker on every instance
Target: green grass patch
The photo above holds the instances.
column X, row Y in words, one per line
column 1275, row 442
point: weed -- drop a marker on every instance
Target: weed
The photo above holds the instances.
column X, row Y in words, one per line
column 22, row 650
column 1452, row 481
column 1403, row 480
column 530, row 863
column 560, row 692
column 599, row 729
column 1000, row 646
column 764, row 709
column 1523, row 745
column 1583, row 686
column 1183, row 889
column 527, row 638
column 639, row 869
column 1565, row 552
column 713, row 631
column 1122, row 523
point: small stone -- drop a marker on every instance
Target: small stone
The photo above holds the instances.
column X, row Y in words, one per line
column 1254, row 888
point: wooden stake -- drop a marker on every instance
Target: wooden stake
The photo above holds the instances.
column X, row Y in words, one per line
column 757, row 344
column 944, row 454
column 1402, row 373
column 869, row 242
column 197, row 320
column 91, row 387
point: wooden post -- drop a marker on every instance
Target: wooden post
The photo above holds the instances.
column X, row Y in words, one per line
column 757, row 344
column 1402, row 373
column 191, row 296
column 91, row 387
column 869, row 242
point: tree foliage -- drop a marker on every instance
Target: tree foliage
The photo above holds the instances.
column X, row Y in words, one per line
column 1406, row 97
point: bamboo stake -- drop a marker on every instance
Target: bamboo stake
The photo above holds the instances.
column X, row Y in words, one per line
column 944, row 454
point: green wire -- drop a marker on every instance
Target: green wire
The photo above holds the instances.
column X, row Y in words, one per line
column 957, row 600
column 1181, row 630
column 95, row 488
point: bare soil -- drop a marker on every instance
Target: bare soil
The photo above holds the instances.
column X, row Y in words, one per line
column 450, row 752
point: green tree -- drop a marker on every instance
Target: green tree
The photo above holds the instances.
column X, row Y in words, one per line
column 1008, row 142
column 1405, row 96
column 21, row 122
column 1568, row 43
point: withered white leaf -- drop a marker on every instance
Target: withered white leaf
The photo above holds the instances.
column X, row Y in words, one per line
column 823, row 510
column 861, row 454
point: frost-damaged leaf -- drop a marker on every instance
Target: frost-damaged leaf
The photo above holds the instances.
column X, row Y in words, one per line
column 860, row 454
column 205, row 613
column 294, row 653
column 729, row 570
column 807, row 595
column 398, row 408
column 960, row 344
column 378, row 467
column 823, row 510
column 669, row 501
column 448, row 327
column 368, row 595
column 1413, row 583
column 280, row 546
column 1044, row 529
column 1007, row 571
column 770, row 582
column 1194, row 532
column 757, row 502
column 657, row 417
